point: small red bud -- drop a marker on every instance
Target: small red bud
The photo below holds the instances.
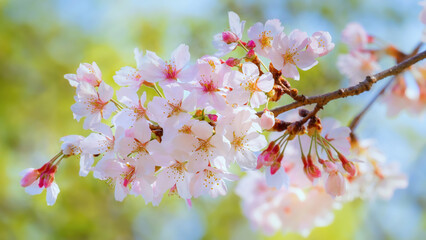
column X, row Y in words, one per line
column 350, row 168
column 232, row 62
column 229, row 37
column 275, row 167
column 251, row 54
column 251, row 44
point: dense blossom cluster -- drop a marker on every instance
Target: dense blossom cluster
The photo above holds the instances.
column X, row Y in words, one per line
column 203, row 121
column 294, row 202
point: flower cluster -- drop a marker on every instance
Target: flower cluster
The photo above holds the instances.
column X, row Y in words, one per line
column 203, row 121
column 289, row 201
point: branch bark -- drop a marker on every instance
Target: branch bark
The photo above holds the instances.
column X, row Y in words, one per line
column 361, row 87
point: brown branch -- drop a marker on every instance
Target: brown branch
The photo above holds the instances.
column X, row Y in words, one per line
column 351, row 91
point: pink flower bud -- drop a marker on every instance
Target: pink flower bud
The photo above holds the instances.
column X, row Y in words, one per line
column 267, row 120
column 229, row 37
column 47, row 177
column 350, row 168
column 275, row 167
column 29, row 177
column 232, row 62
column 335, row 184
column 310, row 169
column 251, row 44
column 250, row 54
column 212, row 117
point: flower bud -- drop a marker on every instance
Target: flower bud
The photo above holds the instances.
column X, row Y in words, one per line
column 29, row 177
column 251, row 54
column 212, row 117
column 47, row 177
column 275, row 167
column 335, row 184
column 232, row 62
column 229, row 37
column 350, row 168
column 303, row 112
column 267, row 120
column 251, row 44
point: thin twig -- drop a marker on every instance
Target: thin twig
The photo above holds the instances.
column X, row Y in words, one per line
column 351, row 91
column 358, row 117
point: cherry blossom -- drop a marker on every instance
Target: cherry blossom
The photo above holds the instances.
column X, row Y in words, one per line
column 321, row 43
column 289, row 53
column 263, row 35
column 92, row 104
column 357, row 65
column 156, row 69
column 135, row 109
column 45, row 176
column 227, row 41
column 89, row 73
column 249, row 86
column 355, row 36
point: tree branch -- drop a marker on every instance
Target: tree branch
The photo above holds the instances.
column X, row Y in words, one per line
column 351, row 91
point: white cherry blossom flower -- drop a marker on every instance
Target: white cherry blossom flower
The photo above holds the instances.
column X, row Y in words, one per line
column 89, row 73
column 227, row 41
column 248, row 86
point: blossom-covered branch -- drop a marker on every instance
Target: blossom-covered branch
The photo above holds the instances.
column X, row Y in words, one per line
column 353, row 90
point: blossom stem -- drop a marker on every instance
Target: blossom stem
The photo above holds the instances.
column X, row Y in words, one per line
column 310, row 147
column 326, row 142
column 56, row 157
column 244, row 47
column 316, row 145
column 157, row 90
column 117, row 104
column 300, row 144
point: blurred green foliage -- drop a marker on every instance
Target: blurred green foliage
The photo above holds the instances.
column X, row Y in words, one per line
column 37, row 47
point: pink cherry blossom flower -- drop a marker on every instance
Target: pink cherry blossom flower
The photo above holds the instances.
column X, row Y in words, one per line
column 73, row 146
column 289, row 53
column 128, row 175
column 135, row 108
column 249, row 87
column 263, row 36
column 321, row 43
column 227, row 41
column 355, row 36
column 168, row 72
column 357, row 65
column 335, row 184
column 137, row 143
column 131, row 77
column 45, row 176
column 209, row 87
column 173, row 105
column 89, row 73
column 92, row 104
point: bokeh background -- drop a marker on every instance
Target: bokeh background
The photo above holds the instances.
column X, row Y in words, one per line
column 40, row 41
